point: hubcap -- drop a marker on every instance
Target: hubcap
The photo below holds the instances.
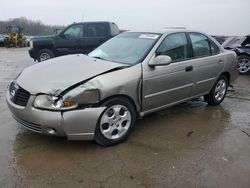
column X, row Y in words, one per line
column 115, row 122
column 44, row 56
column 220, row 90
column 244, row 65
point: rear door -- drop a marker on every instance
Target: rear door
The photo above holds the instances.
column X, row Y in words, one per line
column 166, row 85
column 94, row 35
column 208, row 62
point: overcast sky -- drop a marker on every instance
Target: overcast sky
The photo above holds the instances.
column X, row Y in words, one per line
column 228, row 17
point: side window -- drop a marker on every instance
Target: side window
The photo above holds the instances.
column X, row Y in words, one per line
column 175, row 46
column 96, row 30
column 214, row 48
column 74, row 32
column 200, row 44
column 114, row 29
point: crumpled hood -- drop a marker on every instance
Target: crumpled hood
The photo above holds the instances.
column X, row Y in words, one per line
column 62, row 72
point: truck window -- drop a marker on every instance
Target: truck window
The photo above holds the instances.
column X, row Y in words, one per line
column 96, row 30
column 74, row 32
column 114, row 29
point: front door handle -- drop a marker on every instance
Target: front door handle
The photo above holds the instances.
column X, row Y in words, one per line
column 189, row 68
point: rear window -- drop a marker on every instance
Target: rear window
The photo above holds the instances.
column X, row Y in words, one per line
column 214, row 48
column 114, row 29
column 202, row 45
column 96, row 30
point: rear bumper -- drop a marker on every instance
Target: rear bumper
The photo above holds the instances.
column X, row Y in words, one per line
column 33, row 53
column 75, row 125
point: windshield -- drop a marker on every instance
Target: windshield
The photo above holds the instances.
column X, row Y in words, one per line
column 127, row 48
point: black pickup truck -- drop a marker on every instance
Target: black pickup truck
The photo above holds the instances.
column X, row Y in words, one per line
column 76, row 38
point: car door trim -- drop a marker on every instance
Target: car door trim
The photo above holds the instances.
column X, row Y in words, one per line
column 206, row 80
column 166, row 91
column 170, row 104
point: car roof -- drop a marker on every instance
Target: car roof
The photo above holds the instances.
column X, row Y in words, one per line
column 93, row 22
column 166, row 31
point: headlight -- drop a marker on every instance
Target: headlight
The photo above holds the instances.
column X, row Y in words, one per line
column 31, row 43
column 77, row 96
column 54, row 103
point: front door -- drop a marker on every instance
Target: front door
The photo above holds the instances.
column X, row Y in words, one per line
column 70, row 41
column 167, row 85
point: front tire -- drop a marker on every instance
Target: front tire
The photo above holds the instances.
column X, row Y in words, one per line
column 45, row 54
column 218, row 92
column 116, row 123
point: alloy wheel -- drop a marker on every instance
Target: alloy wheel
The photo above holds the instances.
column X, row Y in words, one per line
column 115, row 122
column 244, row 65
column 44, row 56
column 220, row 90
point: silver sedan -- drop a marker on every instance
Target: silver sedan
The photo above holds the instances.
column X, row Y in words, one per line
column 100, row 96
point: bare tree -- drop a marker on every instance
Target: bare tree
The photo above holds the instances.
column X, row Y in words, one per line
column 30, row 27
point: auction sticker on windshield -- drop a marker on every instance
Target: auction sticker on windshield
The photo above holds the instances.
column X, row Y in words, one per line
column 148, row 36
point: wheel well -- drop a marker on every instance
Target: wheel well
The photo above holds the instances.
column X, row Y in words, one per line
column 46, row 48
column 125, row 97
column 227, row 76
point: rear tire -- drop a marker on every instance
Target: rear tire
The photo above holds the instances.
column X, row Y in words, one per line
column 45, row 54
column 116, row 122
column 218, row 92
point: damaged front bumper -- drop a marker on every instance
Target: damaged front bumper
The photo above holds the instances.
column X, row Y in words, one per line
column 76, row 124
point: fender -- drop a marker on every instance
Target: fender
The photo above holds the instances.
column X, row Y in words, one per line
column 44, row 42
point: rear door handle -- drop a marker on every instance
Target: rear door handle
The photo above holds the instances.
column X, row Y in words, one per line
column 189, row 68
column 220, row 61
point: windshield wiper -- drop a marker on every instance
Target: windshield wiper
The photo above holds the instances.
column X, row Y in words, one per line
column 97, row 57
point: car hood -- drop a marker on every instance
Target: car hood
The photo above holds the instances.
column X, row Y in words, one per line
column 43, row 37
column 60, row 73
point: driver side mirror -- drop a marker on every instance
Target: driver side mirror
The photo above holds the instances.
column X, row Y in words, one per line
column 160, row 60
column 62, row 35
column 66, row 36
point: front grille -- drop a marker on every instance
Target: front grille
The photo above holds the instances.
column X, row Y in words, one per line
column 18, row 95
column 30, row 126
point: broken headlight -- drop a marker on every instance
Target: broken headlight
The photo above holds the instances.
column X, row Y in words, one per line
column 54, row 103
column 71, row 100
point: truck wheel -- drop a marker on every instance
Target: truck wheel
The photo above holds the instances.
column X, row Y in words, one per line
column 45, row 54
column 218, row 92
column 244, row 64
column 116, row 123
